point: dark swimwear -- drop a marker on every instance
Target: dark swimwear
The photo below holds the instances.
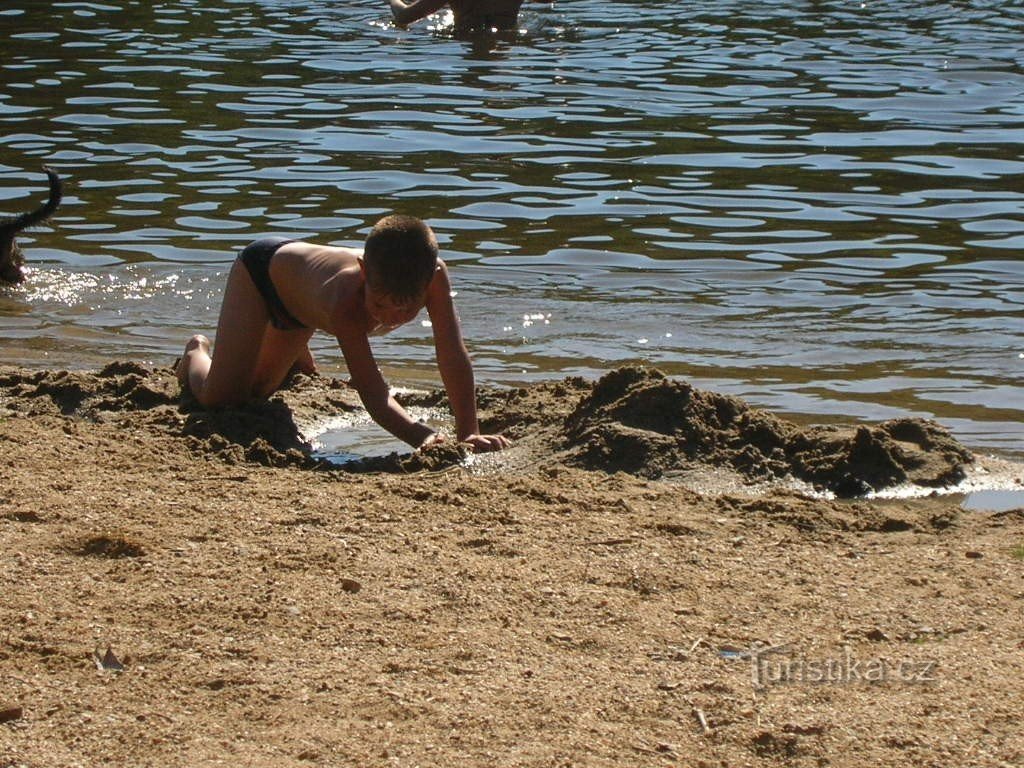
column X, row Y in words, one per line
column 256, row 258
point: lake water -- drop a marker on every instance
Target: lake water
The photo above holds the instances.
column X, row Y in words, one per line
column 818, row 206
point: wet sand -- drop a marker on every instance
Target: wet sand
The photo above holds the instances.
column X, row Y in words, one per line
column 572, row 602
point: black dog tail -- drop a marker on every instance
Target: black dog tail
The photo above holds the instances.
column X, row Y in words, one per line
column 44, row 212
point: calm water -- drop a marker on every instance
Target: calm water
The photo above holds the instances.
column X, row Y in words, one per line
column 816, row 205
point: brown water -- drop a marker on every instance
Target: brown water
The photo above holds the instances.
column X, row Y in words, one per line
column 817, row 206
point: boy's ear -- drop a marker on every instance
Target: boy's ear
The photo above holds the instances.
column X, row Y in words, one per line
column 362, row 265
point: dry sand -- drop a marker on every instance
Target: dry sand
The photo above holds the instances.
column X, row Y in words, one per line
column 571, row 602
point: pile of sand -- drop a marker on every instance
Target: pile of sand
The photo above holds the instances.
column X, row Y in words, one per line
column 639, row 421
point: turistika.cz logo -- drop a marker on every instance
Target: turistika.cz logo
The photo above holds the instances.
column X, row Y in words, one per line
column 779, row 666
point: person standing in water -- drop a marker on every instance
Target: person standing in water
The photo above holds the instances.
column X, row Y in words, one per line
column 470, row 15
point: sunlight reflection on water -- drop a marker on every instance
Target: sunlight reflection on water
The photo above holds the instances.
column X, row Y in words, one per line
column 817, row 211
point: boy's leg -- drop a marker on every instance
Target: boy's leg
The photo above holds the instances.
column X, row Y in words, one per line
column 194, row 362
column 305, row 362
column 280, row 352
column 228, row 378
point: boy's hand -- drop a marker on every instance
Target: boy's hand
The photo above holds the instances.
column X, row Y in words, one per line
column 485, row 443
column 479, row 443
column 432, row 439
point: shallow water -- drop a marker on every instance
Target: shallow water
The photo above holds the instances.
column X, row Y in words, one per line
column 355, row 436
column 994, row 500
column 817, row 206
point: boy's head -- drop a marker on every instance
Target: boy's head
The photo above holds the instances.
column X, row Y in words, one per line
column 400, row 258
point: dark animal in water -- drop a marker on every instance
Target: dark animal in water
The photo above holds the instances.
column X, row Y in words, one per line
column 11, row 258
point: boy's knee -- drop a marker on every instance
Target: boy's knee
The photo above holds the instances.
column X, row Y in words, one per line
column 209, row 399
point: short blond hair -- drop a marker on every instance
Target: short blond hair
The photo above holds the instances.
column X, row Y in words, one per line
column 400, row 256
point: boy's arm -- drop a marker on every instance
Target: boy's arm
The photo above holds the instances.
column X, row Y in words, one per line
column 407, row 13
column 454, row 365
column 373, row 391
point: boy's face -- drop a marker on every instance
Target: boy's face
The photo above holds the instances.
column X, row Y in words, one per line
column 387, row 310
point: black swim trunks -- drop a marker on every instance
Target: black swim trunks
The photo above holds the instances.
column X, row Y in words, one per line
column 256, row 258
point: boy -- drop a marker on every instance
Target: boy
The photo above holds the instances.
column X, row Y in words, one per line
column 280, row 291
column 470, row 15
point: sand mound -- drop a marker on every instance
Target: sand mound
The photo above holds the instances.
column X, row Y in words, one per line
column 136, row 396
column 637, row 420
column 120, row 386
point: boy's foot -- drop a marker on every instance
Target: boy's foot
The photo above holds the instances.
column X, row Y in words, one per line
column 197, row 342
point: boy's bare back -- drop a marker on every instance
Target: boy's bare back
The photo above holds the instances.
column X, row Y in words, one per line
column 324, row 287
column 318, row 282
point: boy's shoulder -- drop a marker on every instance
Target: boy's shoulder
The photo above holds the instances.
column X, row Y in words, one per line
column 319, row 250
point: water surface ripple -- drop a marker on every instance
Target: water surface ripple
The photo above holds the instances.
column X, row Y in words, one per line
column 815, row 205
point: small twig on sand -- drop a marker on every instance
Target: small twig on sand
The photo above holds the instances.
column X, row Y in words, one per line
column 703, row 720
column 609, row 542
column 647, row 750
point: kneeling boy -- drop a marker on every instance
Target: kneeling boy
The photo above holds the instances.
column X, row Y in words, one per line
column 280, row 292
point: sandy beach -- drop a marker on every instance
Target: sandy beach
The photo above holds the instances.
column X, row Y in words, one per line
column 573, row 603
